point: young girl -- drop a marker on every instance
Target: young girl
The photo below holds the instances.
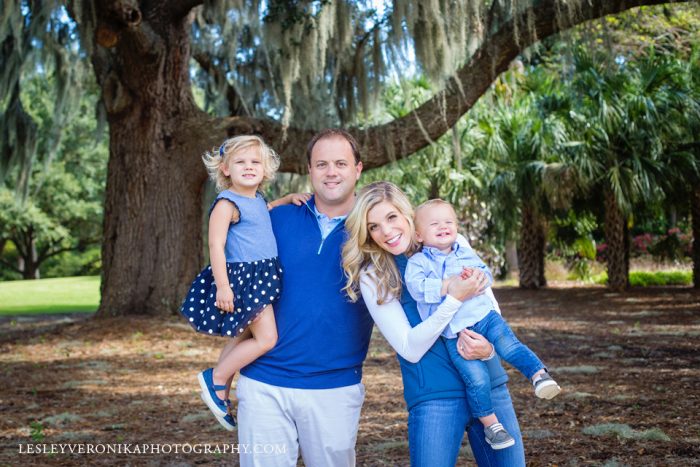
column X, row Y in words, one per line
column 233, row 296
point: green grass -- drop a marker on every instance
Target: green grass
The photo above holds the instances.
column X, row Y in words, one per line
column 650, row 278
column 63, row 295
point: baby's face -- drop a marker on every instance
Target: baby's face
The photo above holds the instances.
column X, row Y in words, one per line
column 436, row 226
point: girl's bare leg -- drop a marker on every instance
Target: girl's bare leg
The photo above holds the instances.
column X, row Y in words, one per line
column 230, row 345
column 245, row 351
column 227, row 349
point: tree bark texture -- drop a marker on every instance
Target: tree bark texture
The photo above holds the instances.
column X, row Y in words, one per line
column 618, row 277
column 152, row 240
column 531, row 248
column 512, row 260
column 695, row 214
column 541, row 251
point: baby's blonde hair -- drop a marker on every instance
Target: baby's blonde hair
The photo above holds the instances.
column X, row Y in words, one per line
column 360, row 251
column 220, row 157
column 430, row 203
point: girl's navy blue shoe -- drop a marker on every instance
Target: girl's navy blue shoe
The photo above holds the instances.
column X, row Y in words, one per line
column 229, row 421
column 206, row 382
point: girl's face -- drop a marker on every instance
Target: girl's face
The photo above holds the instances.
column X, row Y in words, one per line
column 245, row 169
column 389, row 228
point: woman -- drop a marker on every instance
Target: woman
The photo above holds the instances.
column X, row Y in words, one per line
column 381, row 235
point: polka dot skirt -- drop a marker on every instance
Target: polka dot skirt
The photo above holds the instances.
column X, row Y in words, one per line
column 255, row 285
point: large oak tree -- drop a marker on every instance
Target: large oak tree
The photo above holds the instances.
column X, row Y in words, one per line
column 142, row 52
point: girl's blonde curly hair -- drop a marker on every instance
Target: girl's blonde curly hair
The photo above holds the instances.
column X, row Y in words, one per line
column 221, row 157
column 361, row 253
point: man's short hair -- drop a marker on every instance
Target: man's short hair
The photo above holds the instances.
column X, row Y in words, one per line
column 331, row 133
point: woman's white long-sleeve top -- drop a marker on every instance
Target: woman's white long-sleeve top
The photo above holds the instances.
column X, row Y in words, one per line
column 409, row 342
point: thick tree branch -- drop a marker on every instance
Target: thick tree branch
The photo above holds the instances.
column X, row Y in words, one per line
column 404, row 136
column 47, row 253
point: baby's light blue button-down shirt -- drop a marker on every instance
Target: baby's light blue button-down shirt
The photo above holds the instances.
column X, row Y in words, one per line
column 425, row 272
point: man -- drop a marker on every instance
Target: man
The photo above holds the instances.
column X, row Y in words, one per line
column 307, row 392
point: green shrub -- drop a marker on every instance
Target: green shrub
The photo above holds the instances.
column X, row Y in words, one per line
column 652, row 278
column 601, row 278
column 644, row 278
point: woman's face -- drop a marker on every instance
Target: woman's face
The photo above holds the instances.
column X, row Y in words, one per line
column 389, row 228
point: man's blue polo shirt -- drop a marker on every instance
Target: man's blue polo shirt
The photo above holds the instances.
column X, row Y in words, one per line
column 322, row 336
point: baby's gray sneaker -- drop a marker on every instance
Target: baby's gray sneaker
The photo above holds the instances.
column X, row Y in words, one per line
column 498, row 437
column 546, row 387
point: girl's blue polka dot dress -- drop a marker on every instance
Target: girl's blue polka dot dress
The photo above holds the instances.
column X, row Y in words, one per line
column 254, row 272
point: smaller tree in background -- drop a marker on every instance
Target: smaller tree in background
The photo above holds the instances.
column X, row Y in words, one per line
column 62, row 207
column 523, row 135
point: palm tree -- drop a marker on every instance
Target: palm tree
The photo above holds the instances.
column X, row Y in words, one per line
column 622, row 115
column 522, row 138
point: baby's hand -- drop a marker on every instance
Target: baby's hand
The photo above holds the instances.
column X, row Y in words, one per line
column 224, row 299
column 466, row 273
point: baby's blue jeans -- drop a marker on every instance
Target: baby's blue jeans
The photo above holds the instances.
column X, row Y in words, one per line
column 474, row 372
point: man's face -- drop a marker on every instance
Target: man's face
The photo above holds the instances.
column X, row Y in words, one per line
column 333, row 171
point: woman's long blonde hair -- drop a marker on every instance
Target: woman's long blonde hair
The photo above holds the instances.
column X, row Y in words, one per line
column 360, row 251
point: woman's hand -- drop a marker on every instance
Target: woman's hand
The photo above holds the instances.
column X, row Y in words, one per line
column 224, row 298
column 473, row 346
column 464, row 288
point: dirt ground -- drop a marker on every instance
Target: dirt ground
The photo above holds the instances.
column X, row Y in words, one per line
column 629, row 365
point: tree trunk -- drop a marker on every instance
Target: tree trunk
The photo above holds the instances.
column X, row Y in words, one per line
column 152, row 230
column 618, row 277
column 672, row 217
column 513, row 269
column 531, row 249
column 695, row 213
column 541, row 251
column 28, row 259
column 32, row 271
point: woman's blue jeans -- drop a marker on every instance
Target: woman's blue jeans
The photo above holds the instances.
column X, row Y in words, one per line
column 436, row 429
